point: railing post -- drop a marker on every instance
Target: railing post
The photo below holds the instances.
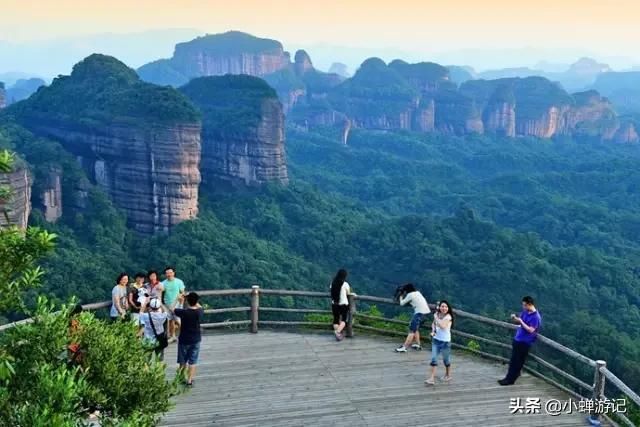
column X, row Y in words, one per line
column 352, row 312
column 255, row 305
column 599, row 381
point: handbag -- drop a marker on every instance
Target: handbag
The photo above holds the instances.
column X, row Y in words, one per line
column 163, row 342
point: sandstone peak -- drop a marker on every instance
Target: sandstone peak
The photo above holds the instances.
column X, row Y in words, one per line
column 137, row 141
column 103, row 67
column 303, row 62
column 243, row 131
column 231, row 42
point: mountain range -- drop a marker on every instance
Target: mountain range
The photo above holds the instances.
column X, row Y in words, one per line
column 212, row 116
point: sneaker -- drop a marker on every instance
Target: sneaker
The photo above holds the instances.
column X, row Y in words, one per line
column 430, row 381
column 172, row 340
column 504, row 381
column 401, row 349
column 416, row 346
column 446, row 378
column 189, row 384
column 339, row 337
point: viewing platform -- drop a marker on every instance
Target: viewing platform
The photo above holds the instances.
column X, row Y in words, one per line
column 268, row 358
column 309, row 379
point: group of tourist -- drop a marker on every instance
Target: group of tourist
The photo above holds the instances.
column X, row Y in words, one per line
column 529, row 322
column 158, row 309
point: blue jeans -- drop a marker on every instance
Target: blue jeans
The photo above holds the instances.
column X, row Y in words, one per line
column 440, row 347
column 188, row 353
column 416, row 320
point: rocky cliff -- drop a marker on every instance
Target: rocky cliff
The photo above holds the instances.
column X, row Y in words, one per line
column 456, row 114
column 243, row 131
column 139, row 142
column 591, row 115
column 376, row 97
column 627, row 133
column 232, row 52
column 17, row 206
column 51, row 195
column 302, row 63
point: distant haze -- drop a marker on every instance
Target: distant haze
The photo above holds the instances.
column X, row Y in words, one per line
column 47, row 37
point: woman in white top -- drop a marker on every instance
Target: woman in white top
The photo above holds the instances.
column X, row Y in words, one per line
column 146, row 330
column 420, row 309
column 339, row 302
column 441, row 341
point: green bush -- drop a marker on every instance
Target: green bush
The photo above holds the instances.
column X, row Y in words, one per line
column 115, row 374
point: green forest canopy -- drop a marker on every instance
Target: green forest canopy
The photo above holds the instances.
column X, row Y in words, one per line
column 477, row 220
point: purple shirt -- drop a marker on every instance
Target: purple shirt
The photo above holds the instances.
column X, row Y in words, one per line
column 533, row 320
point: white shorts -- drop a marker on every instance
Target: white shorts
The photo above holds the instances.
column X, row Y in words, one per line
column 170, row 314
column 135, row 318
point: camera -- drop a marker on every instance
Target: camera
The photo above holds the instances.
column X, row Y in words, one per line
column 399, row 293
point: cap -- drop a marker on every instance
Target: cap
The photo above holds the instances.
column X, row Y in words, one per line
column 155, row 303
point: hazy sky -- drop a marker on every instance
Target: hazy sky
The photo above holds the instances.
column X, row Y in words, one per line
column 606, row 28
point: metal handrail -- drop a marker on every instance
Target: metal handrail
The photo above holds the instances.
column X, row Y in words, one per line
column 600, row 375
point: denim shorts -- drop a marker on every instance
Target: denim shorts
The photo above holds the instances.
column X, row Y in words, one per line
column 416, row 320
column 440, row 347
column 188, row 353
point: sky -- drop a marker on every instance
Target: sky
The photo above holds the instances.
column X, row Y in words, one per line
column 422, row 28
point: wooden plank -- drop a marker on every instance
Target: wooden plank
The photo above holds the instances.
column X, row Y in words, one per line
column 293, row 379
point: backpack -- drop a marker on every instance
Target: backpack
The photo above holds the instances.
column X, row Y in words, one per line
column 163, row 342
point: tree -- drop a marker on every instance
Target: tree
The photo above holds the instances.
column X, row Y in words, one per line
column 41, row 384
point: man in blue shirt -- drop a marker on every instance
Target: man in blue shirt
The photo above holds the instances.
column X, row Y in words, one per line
column 529, row 323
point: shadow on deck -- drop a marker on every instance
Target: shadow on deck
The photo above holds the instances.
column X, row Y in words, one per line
column 308, row 379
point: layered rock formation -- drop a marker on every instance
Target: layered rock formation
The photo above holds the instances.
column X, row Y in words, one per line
column 233, row 52
column 51, row 195
column 243, row 131
column 591, row 115
column 302, row 63
column 3, row 96
column 16, row 208
column 376, row 97
column 416, row 97
column 627, row 133
column 499, row 114
column 139, row 142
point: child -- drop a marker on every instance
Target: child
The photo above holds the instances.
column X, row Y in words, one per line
column 190, row 337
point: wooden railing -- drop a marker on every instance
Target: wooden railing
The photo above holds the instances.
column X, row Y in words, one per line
column 602, row 378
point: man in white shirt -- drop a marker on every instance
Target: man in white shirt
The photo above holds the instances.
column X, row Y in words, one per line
column 420, row 309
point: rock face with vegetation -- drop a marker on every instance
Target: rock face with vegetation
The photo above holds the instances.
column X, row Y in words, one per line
column 628, row 132
column 232, row 52
column 243, row 131
column 15, row 207
column 591, row 115
column 3, row 96
column 51, row 195
column 139, row 142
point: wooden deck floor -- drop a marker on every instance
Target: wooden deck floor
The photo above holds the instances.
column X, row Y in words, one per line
column 307, row 379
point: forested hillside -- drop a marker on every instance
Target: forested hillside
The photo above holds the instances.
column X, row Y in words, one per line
column 479, row 221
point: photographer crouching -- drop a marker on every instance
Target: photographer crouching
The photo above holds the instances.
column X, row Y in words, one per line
column 407, row 294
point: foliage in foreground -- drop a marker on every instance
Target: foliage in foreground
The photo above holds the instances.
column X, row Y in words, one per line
column 115, row 373
column 42, row 383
